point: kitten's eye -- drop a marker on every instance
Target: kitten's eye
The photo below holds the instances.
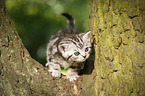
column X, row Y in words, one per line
column 77, row 53
column 86, row 49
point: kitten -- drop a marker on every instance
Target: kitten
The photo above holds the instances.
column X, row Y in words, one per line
column 66, row 49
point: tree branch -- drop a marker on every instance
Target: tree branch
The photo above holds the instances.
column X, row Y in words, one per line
column 22, row 75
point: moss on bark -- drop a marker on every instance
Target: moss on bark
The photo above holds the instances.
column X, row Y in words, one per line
column 119, row 32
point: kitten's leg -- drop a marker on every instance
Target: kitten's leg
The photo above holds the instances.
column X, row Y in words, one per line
column 54, row 69
column 72, row 74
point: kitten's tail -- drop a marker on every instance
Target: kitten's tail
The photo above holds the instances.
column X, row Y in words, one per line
column 70, row 20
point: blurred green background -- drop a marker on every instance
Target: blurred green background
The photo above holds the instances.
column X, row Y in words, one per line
column 37, row 20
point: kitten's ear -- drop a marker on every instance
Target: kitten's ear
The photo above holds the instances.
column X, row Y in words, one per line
column 85, row 35
column 63, row 47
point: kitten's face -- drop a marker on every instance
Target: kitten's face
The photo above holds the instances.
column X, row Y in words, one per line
column 77, row 49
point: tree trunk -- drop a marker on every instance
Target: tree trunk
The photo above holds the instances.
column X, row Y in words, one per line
column 119, row 68
column 119, row 29
column 20, row 75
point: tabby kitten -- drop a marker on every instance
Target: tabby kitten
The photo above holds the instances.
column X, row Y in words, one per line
column 66, row 49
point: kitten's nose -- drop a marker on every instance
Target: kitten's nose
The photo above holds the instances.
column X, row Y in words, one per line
column 84, row 56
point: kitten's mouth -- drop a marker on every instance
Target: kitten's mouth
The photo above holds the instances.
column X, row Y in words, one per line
column 84, row 59
column 79, row 61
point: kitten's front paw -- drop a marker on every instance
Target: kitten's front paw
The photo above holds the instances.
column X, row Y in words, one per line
column 55, row 73
column 72, row 77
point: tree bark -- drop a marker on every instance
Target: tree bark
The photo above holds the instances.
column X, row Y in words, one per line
column 119, row 30
column 119, row 66
column 20, row 75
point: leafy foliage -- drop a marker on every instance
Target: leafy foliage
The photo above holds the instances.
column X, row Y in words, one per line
column 37, row 20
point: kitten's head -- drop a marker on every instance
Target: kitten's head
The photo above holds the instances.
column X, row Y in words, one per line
column 76, row 48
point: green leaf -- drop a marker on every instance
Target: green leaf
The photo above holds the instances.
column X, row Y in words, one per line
column 64, row 71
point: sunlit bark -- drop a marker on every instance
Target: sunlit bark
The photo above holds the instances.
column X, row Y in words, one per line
column 119, row 29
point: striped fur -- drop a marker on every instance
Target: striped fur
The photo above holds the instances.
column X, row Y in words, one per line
column 67, row 49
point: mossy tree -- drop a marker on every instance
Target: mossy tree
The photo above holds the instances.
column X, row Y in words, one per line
column 119, row 66
column 119, row 29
